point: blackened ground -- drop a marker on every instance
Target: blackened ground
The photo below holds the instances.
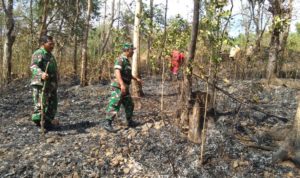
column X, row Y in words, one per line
column 158, row 147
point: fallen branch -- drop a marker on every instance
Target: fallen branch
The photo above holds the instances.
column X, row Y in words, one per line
column 261, row 147
column 247, row 103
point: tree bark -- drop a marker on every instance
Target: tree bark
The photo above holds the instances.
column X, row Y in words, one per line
column 109, row 31
column 195, row 127
column 75, row 37
column 197, row 119
column 9, row 41
column 31, row 26
column 284, row 37
column 275, row 41
column 150, row 36
column 136, row 88
column 187, row 77
column 273, row 55
column 83, row 76
column 163, row 60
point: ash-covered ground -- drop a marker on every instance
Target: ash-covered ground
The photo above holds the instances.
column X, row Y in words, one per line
column 237, row 143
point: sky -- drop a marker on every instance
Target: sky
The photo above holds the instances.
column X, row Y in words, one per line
column 185, row 8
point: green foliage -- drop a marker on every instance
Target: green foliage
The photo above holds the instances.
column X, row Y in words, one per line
column 280, row 23
column 298, row 27
column 294, row 42
column 212, row 28
column 178, row 31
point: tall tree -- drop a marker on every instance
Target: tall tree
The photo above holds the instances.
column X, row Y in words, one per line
column 287, row 16
column 74, row 31
column 186, row 93
column 163, row 61
column 9, row 40
column 257, row 15
column 83, row 76
column 43, row 28
column 136, row 88
column 276, row 10
column 107, row 36
column 150, row 34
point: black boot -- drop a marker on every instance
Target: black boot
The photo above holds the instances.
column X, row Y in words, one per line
column 132, row 123
column 108, row 126
column 48, row 125
column 37, row 123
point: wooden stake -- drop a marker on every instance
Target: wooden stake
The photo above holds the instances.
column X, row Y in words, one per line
column 203, row 135
column 42, row 104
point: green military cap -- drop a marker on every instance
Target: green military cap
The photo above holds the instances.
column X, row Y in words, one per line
column 128, row 46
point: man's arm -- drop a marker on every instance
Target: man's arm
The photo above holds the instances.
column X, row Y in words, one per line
column 136, row 79
column 120, row 81
column 36, row 71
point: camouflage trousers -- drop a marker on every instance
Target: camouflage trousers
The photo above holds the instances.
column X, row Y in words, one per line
column 49, row 102
column 115, row 102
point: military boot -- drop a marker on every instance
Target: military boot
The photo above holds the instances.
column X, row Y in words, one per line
column 132, row 123
column 108, row 126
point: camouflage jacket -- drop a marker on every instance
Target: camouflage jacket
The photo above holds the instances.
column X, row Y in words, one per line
column 123, row 64
column 38, row 65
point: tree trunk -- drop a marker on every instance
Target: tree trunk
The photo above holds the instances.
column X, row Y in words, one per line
column 273, row 55
column 136, row 88
column 150, row 36
column 9, row 41
column 284, row 37
column 195, row 127
column 110, row 29
column 275, row 40
column 75, row 38
column 75, row 54
column 187, row 77
column 119, row 15
column 31, row 26
column 83, row 76
column 163, row 60
column 103, row 34
column 43, row 29
column 196, row 121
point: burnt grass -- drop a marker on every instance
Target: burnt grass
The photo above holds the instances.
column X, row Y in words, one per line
column 235, row 146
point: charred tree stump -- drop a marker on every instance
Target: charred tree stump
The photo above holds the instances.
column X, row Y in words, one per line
column 290, row 150
column 195, row 124
column 196, row 119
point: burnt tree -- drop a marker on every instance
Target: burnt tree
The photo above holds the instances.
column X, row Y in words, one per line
column 9, row 40
column 83, row 76
column 277, row 10
column 137, row 90
column 186, row 93
column 196, row 121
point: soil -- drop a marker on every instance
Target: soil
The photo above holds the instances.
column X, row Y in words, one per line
column 238, row 140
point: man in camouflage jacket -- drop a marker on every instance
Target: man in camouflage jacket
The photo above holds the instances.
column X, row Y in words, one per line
column 120, row 89
column 40, row 58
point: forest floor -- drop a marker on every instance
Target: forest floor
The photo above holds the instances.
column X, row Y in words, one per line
column 238, row 142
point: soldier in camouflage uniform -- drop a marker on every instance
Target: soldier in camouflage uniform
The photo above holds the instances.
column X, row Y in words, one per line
column 120, row 89
column 40, row 58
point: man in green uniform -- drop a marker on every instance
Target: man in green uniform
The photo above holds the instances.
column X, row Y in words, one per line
column 40, row 58
column 120, row 89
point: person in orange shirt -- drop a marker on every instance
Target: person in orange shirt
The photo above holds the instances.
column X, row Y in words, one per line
column 177, row 59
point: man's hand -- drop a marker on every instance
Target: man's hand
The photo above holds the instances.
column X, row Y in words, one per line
column 123, row 89
column 44, row 76
column 140, row 81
